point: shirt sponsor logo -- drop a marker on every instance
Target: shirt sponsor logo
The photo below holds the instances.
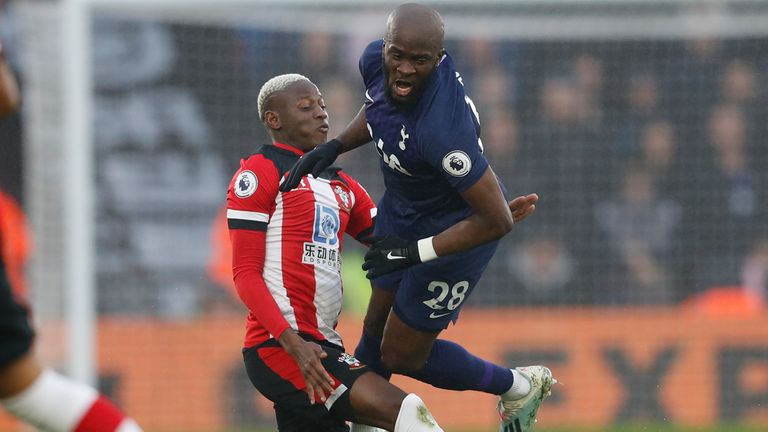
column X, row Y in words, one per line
column 457, row 163
column 246, row 184
column 320, row 255
column 326, row 228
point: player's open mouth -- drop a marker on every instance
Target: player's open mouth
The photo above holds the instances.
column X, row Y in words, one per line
column 402, row 88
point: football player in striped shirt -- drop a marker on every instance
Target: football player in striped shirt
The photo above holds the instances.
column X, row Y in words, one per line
column 286, row 260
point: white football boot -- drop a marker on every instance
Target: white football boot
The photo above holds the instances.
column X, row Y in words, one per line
column 519, row 415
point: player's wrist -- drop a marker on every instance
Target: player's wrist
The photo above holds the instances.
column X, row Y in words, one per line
column 335, row 145
column 289, row 340
column 425, row 249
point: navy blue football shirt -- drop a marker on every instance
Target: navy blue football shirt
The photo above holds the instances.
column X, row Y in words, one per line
column 430, row 152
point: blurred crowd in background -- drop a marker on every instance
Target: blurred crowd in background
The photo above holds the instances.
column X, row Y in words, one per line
column 649, row 156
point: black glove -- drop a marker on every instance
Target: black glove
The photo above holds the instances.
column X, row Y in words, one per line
column 388, row 254
column 313, row 161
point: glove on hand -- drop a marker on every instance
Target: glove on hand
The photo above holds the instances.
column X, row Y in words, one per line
column 388, row 254
column 313, row 161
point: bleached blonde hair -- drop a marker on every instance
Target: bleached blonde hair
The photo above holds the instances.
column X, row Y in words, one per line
column 274, row 85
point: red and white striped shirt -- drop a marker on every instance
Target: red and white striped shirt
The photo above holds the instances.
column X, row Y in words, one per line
column 286, row 246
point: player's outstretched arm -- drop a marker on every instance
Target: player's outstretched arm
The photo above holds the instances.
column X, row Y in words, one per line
column 493, row 218
column 322, row 156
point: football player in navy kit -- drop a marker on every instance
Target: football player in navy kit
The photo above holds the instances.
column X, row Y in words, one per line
column 439, row 221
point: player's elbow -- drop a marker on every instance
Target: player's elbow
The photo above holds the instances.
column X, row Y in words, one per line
column 9, row 105
column 10, row 98
column 500, row 226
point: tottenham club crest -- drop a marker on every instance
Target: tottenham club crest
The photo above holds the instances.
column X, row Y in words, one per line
column 245, row 184
column 457, row 163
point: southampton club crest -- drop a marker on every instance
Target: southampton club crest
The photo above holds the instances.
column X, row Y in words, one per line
column 351, row 361
column 245, row 184
column 343, row 197
column 457, row 163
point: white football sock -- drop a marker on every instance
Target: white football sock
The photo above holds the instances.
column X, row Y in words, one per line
column 520, row 387
column 59, row 404
column 52, row 402
column 414, row 416
column 128, row 425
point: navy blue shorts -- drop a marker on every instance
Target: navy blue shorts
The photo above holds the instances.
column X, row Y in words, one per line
column 429, row 296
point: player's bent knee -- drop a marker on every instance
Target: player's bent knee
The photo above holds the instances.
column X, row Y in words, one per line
column 414, row 416
column 404, row 358
column 402, row 363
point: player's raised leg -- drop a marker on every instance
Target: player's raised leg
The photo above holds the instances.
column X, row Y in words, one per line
column 43, row 398
column 518, row 414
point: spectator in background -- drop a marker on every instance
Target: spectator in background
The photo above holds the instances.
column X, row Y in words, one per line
column 477, row 55
column 691, row 75
column 726, row 203
column 658, row 155
column 559, row 156
column 501, row 143
column 642, row 106
column 588, row 71
column 642, row 96
column 494, row 90
column 501, row 139
column 740, row 86
column 542, row 271
column 339, row 94
column 318, row 55
column 639, row 231
column 754, row 271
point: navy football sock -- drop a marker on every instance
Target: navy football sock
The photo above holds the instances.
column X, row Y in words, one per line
column 368, row 351
column 452, row 367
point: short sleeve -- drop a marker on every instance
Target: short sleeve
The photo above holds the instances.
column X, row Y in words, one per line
column 455, row 152
column 363, row 211
column 251, row 194
column 371, row 61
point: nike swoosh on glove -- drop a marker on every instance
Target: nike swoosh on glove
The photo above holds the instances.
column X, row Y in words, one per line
column 388, row 254
column 313, row 161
